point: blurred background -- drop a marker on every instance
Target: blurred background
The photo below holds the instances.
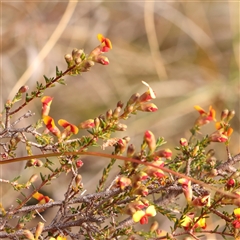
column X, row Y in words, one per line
column 187, row 51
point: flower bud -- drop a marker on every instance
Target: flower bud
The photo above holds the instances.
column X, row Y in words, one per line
column 120, row 104
column 96, row 122
column 154, row 227
column 130, row 150
column 166, row 153
column 78, row 60
column 34, row 162
column 183, row 142
column 101, row 59
column 33, row 178
column 78, row 179
column 79, row 163
column 68, row 58
column 142, row 190
column 231, row 114
column 133, row 99
column 87, row 124
column 231, row 182
column 149, row 138
column 46, row 103
column 87, row 64
column 23, row 89
column 77, row 53
column 28, row 234
column 147, row 107
column 116, row 112
column 224, row 114
column 109, row 114
column 195, row 151
column 39, row 230
column 120, row 146
column 187, row 188
column 123, row 182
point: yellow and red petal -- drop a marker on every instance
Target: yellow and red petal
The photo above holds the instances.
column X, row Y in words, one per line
column 138, row 215
column 237, row 212
column 38, row 196
column 66, row 124
column 212, row 113
column 200, row 110
column 100, row 37
column 104, row 40
column 47, row 100
column 151, row 211
column 50, row 124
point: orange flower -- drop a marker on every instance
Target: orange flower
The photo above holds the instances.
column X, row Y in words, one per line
column 205, row 117
column 41, row 198
column 105, row 43
column 50, row 124
column 69, row 128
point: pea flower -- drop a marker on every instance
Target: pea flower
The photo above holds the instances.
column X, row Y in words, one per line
column 189, row 221
column 142, row 216
column 69, row 128
column 187, row 188
column 205, row 117
column 155, row 172
column 105, row 46
column 236, row 222
column 148, row 95
column 41, row 198
column 147, row 107
column 123, row 182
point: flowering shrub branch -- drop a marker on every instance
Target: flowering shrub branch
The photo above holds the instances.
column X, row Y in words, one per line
column 146, row 186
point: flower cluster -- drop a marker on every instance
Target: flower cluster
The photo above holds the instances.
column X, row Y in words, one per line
column 190, row 222
column 80, row 62
column 69, row 128
column 224, row 131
